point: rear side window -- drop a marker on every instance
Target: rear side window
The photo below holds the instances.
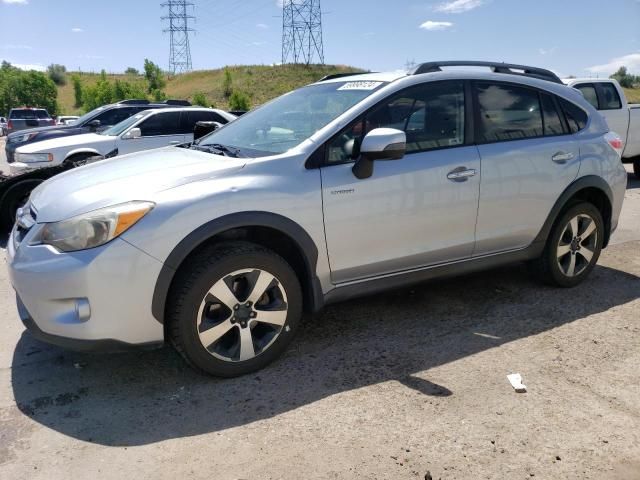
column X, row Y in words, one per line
column 164, row 123
column 508, row 112
column 589, row 92
column 189, row 119
column 550, row 116
column 576, row 117
column 609, row 98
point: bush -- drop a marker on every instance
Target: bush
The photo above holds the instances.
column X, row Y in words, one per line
column 227, row 83
column 77, row 90
column 105, row 91
column 131, row 71
column 18, row 88
column 57, row 73
column 154, row 76
column 239, row 101
column 200, row 98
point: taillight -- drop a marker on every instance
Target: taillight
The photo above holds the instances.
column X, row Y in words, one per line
column 615, row 142
column 10, row 125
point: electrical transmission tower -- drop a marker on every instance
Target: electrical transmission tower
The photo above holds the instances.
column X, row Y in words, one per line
column 179, row 51
column 302, row 32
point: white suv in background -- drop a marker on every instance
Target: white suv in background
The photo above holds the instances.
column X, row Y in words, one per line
column 143, row 131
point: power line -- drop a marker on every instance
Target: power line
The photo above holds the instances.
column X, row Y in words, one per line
column 179, row 50
column 302, row 31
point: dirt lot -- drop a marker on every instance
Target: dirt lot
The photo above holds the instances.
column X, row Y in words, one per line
column 388, row 387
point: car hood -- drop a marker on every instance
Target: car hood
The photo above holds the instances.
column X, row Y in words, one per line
column 50, row 128
column 122, row 179
column 68, row 142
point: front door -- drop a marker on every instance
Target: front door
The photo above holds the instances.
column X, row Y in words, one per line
column 411, row 212
column 158, row 130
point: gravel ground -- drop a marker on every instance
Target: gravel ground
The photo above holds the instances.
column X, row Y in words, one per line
column 393, row 386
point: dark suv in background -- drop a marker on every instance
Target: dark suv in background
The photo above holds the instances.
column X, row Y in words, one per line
column 28, row 118
column 94, row 121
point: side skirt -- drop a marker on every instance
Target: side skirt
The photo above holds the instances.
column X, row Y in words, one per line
column 402, row 279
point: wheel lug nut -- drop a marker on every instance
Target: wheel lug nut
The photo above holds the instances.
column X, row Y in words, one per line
column 236, row 307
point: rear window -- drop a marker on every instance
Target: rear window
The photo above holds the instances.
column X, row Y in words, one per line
column 28, row 114
column 609, row 98
column 589, row 92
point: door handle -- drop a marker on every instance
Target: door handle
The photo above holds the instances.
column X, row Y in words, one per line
column 562, row 157
column 461, row 174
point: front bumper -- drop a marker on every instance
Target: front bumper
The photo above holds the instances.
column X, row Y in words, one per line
column 92, row 299
column 10, row 151
column 19, row 167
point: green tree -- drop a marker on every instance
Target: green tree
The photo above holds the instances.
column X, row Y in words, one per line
column 154, row 76
column 624, row 79
column 57, row 73
column 239, row 101
column 77, row 90
column 18, row 87
column 227, row 83
column 199, row 98
column 131, row 71
column 101, row 93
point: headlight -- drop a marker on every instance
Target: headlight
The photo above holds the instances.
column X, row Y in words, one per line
column 95, row 228
column 34, row 157
column 21, row 138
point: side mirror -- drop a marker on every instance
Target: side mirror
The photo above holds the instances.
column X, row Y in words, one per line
column 94, row 125
column 203, row 127
column 379, row 144
column 131, row 134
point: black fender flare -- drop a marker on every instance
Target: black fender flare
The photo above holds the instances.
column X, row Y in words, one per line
column 210, row 229
column 588, row 181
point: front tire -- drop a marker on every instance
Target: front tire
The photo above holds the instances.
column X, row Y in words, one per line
column 233, row 309
column 573, row 247
column 15, row 197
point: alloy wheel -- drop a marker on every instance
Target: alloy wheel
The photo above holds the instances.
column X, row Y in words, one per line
column 577, row 245
column 242, row 315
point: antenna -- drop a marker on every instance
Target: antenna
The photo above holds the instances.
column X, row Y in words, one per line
column 179, row 50
column 302, row 32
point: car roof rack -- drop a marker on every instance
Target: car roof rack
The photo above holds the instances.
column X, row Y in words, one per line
column 134, row 101
column 340, row 75
column 496, row 67
column 181, row 103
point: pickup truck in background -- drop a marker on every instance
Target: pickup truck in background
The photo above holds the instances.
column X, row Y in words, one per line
column 23, row 118
column 623, row 118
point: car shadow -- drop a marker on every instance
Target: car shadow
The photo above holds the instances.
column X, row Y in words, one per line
column 632, row 181
column 145, row 397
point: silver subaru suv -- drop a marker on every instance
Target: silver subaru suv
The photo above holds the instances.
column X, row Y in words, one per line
column 350, row 186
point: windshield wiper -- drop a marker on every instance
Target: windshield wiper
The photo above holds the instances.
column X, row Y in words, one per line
column 218, row 147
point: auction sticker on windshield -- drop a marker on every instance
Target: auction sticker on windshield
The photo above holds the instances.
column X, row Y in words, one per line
column 362, row 85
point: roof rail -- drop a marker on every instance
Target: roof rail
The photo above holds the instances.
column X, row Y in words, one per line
column 496, row 67
column 133, row 101
column 340, row 75
column 181, row 103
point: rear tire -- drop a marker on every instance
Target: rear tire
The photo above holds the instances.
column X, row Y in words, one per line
column 636, row 168
column 573, row 247
column 216, row 320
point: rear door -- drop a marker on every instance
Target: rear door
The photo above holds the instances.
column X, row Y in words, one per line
column 159, row 130
column 529, row 157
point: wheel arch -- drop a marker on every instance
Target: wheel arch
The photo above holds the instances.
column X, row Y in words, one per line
column 590, row 188
column 273, row 231
column 81, row 151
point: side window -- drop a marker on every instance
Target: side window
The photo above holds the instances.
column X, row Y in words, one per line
column 164, row 123
column 576, row 117
column 189, row 119
column 589, row 92
column 115, row 115
column 609, row 98
column 508, row 112
column 432, row 116
column 550, row 115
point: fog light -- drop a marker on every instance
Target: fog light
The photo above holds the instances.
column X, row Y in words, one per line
column 83, row 309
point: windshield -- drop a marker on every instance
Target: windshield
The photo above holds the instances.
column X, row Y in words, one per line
column 290, row 119
column 89, row 115
column 118, row 128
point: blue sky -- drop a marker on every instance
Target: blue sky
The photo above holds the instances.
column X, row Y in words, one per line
column 579, row 37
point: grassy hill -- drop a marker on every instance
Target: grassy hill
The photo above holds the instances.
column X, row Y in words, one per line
column 260, row 82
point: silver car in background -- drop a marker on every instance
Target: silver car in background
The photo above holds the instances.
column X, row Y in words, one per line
column 350, row 186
